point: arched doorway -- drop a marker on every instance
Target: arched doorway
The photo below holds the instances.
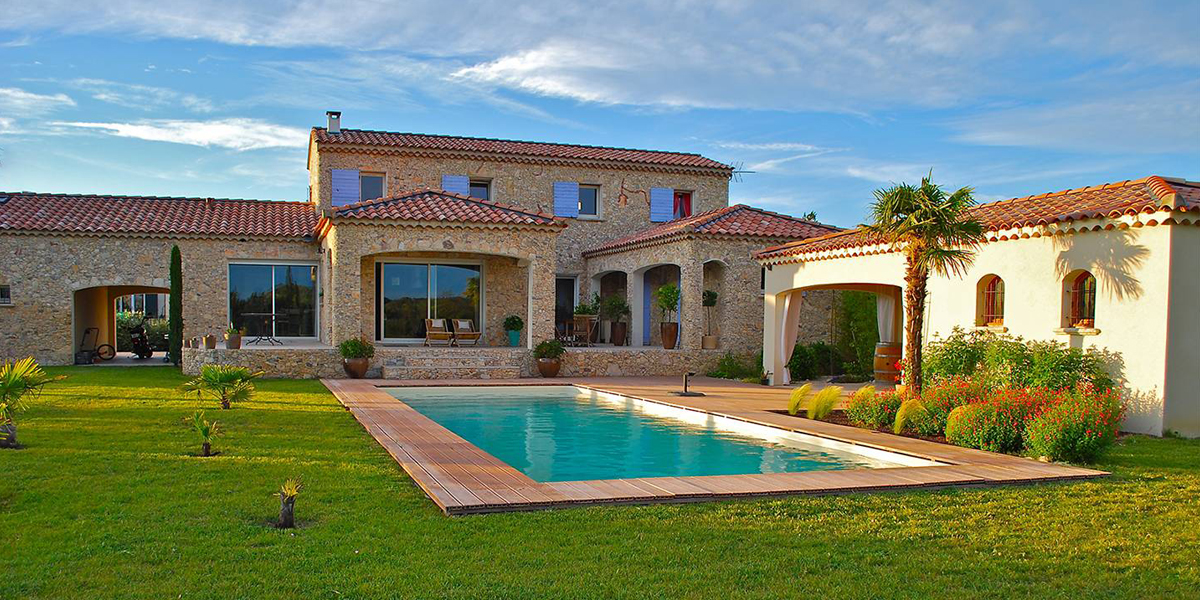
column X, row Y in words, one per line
column 95, row 308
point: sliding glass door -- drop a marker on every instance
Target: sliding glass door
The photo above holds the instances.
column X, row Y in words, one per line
column 279, row 300
column 409, row 293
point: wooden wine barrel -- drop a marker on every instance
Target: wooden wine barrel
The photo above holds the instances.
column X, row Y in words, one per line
column 886, row 356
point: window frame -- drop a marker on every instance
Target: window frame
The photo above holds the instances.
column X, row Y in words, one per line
column 379, row 305
column 6, row 294
column 318, row 293
column 1075, row 287
column 691, row 203
column 486, row 183
column 382, row 184
column 989, row 307
column 599, row 215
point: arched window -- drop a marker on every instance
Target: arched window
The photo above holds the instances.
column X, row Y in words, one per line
column 990, row 302
column 1080, row 300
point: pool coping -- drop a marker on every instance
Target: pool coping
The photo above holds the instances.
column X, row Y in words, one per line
column 463, row 479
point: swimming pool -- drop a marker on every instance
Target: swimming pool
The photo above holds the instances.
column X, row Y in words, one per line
column 567, row 433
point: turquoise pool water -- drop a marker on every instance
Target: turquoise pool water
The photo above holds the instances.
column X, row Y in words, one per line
column 563, row 433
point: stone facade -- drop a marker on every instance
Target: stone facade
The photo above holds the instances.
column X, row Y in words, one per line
column 61, row 284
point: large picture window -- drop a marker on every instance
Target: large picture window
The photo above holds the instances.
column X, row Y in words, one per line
column 409, row 293
column 275, row 299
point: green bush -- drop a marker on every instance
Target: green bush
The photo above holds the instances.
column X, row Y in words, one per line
column 731, row 366
column 802, row 365
column 1005, row 361
column 938, row 400
column 858, row 332
column 156, row 331
column 871, row 409
column 549, row 349
column 1078, row 429
column 356, row 348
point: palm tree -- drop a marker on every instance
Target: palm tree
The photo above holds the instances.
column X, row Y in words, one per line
column 226, row 383
column 20, row 382
column 937, row 234
column 207, row 430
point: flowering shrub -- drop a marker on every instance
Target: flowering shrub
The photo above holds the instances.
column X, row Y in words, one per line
column 1078, row 429
column 998, row 424
column 977, row 426
column 939, row 399
column 872, row 410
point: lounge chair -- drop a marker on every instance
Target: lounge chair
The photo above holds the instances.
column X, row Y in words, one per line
column 436, row 333
column 464, row 332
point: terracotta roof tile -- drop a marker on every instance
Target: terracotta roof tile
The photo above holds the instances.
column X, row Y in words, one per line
column 1109, row 200
column 515, row 147
column 428, row 205
column 92, row 214
column 737, row 220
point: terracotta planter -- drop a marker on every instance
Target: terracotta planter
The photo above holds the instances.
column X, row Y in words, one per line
column 670, row 334
column 549, row 367
column 233, row 341
column 356, row 368
column 619, row 329
column 210, row 342
column 708, row 342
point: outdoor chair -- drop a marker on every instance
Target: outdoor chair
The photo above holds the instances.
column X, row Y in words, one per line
column 436, row 333
column 584, row 326
column 464, row 332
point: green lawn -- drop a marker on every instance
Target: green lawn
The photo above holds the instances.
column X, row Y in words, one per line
column 109, row 500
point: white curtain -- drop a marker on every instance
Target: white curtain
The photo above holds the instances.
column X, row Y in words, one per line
column 790, row 330
column 885, row 307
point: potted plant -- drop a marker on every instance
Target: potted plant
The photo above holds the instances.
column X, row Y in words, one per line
column 614, row 309
column 356, row 357
column 233, row 337
column 590, row 308
column 20, row 382
column 549, row 357
column 709, row 341
column 513, row 326
column 210, row 342
column 667, row 300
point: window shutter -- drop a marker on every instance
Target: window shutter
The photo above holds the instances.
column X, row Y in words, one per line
column 566, row 199
column 345, row 186
column 661, row 204
column 457, row 184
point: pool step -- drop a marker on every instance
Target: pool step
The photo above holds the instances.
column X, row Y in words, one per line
column 451, row 372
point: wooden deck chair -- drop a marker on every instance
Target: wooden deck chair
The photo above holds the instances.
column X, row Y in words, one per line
column 584, row 326
column 436, row 333
column 464, row 332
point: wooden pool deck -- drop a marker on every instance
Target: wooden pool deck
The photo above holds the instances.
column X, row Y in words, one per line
column 463, row 479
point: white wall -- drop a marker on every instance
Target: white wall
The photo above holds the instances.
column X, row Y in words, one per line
column 1183, row 333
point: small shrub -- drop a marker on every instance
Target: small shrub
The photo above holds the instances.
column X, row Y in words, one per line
column 802, row 365
column 797, row 398
column 356, row 348
column 1078, row 429
column 731, row 366
column 513, row 323
column 871, row 409
column 940, row 399
column 979, row 426
column 822, row 404
column 1006, row 361
column 549, row 349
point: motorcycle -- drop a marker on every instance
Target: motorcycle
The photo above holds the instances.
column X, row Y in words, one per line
column 138, row 340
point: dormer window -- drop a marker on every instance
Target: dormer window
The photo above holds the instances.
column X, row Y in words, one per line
column 370, row 186
column 682, row 207
column 481, row 188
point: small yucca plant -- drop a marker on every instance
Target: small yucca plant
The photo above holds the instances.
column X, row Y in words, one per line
column 822, row 404
column 287, row 503
column 226, row 383
column 207, row 430
column 798, row 396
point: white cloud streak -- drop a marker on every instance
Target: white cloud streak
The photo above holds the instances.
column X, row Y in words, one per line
column 141, row 97
column 18, row 103
column 235, row 134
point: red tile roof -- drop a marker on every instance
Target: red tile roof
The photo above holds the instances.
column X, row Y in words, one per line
column 737, row 220
column 1111, row 200
column 152, row 215
column 428, row 205
column 515, row 148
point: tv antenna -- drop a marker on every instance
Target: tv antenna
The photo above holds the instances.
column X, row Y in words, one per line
column 738, row 170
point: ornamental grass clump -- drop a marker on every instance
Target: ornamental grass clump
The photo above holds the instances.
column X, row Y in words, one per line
column 822, row 404
column 910, row 409
column 1078, row 429
column 871, row 409
column 797, row 398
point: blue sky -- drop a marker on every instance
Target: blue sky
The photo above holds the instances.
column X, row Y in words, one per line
column 824, row 101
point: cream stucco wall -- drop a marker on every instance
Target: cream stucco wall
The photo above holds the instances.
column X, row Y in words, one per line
column 1140, row 281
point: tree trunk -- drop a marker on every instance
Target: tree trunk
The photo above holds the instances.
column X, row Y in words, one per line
column 206, row 449
column 287, row 512
column 8, row 436
column 915, row 279
column 224, row 403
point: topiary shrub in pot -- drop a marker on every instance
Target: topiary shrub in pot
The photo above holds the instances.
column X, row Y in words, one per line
column 356, row 357
column 615, row 308
column 513, row 326
column 666, row 298
column 709, row 300
column 549, row 357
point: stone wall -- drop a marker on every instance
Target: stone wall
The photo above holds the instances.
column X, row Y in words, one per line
column 624, row 192
column 45, row 271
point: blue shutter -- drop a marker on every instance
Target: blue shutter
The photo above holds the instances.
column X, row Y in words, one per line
column 566, row 199
column 457, row 184
column 345, row 186
column 661, row 204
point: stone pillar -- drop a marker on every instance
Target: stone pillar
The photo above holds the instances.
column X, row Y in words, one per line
column 540, row 316
column 691, row 304
column 635, row 283
column 344, row 294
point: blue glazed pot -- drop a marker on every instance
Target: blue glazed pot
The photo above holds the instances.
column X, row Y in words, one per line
column 514, row 338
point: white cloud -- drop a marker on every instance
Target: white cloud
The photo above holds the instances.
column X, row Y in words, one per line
column 768, row 146
column 16, row 102
column 143, row 97
column 774, row 163
column 236, row 134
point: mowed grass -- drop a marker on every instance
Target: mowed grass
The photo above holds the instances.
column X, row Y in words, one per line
column 109, row 500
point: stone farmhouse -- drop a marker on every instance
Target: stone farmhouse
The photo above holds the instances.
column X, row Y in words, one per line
column 398, row 228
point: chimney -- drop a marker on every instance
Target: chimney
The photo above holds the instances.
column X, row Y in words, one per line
column 335, row 121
